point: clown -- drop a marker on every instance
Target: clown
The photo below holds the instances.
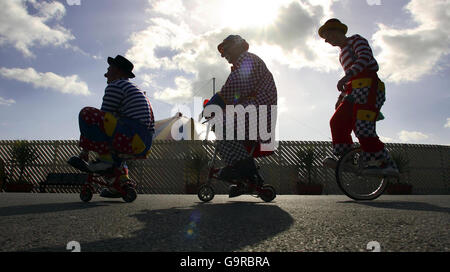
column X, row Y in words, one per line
column 123, row 127
column 250, row 83
column 358, row 106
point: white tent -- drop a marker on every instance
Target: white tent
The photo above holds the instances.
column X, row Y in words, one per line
column 180, row 127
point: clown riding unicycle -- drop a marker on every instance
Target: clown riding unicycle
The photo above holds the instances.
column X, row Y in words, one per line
column 361, row 172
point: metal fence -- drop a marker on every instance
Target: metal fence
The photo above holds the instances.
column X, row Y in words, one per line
column 166, row 171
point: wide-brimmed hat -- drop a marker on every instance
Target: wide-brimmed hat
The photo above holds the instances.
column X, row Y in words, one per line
column 332, row 24
column 122, row 63
column 233, row 42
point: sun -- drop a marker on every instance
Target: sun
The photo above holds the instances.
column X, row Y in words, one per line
column 248, row 13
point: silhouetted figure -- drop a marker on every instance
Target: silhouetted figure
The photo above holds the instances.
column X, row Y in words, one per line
column 358, row 106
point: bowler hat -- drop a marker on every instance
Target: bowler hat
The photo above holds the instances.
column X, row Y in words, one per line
column 122, row 63
column 332, row 24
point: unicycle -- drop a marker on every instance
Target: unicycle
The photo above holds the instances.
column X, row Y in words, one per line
column 353, row 182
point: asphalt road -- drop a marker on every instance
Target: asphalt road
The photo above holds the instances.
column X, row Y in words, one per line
column 47, row 222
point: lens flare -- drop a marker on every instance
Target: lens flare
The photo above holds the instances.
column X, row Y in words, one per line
column 191, row 228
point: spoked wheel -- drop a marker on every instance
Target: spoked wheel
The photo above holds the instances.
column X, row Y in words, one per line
column 267, row 193
column 206, row 193
column 86, row 194
column 131, row 193
column 353, row 183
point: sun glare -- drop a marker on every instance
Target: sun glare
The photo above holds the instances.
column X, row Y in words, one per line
column 249, row 13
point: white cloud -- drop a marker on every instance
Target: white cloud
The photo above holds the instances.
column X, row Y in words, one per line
column 67, row 85
column 23, row 30
column 6, row 102
column 282, row 105
column 387, row 139
column 161, row 33
column 48, row 10
column 447, row 125
column 409, row 54
column 183, row 90
column 187, row 42
column 147, row 80
column 73, row 2
column 168, row 7
column 412, row 136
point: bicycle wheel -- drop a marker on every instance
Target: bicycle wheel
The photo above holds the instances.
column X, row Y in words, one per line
column 206, row 193
column 131, row 194
column 267, row 193
column 86, row 194
column 353, row 183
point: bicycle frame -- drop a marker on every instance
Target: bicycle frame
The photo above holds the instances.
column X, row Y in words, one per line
column 95, row 179
column 212, row 173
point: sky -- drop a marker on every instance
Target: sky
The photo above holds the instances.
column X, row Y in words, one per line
column 53, row 57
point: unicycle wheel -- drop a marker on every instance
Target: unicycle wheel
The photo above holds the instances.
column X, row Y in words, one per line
column 267, row 193
column 86, row 195
column 206, row 193
column 353, row 183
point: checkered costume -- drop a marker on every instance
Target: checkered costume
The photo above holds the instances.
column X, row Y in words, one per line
column 365, row 95
column 249, row 83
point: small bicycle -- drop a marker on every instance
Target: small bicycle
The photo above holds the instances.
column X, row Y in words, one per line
column 264, row 191
column 125, row 188
column 353, row 182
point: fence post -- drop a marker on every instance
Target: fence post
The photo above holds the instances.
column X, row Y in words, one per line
column 445, row 179
column 55, row 155
column 280, row 163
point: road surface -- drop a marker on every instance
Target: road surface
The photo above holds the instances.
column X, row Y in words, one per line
column 291, row 223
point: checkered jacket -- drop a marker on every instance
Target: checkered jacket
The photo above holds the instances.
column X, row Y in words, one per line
column 250, row 82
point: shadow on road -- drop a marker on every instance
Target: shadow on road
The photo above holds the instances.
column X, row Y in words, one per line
column 46, row 208
column 403, row 205
column 202, row 227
